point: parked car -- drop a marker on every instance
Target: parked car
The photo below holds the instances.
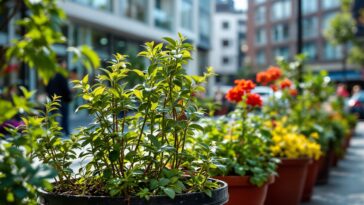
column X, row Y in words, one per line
column 356, row 104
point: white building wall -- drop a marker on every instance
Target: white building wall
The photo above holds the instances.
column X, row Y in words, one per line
column 231, row 34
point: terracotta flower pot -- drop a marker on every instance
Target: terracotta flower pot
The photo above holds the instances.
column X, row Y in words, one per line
column 242, row 192
column 312, row 173
column 324, row 170
column 288, row 187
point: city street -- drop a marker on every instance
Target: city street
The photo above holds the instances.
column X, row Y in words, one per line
column 346, row 185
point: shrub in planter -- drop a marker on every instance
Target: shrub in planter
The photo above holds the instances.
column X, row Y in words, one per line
column 243, row 144
column 138, row 147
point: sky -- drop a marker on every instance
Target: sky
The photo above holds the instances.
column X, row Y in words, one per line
column 241, row 4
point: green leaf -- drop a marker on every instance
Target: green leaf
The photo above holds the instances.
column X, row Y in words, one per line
column 114, row 156
column 163, row 181
column 85, row 79
column 138, row 72
column 169, row 192
column 208, row 192
column 138, row 94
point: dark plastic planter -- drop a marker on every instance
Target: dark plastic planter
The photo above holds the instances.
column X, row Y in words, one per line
column 220, row 196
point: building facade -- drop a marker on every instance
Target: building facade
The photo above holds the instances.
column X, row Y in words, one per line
column 228, row 43
column 272, row 31
column 111, row 26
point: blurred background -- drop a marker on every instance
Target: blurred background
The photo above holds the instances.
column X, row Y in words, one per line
column 237, row 37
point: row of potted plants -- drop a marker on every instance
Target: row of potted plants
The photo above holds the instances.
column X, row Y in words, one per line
column 151, row 143
column 276, row 156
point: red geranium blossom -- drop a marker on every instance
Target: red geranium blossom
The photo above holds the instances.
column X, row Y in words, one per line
column 293, row 92
column 242, row 87
column 235, row 94
column 275, row 73
column 286, row 83
column 274, row 87
column 263, row 77
column 254, row 100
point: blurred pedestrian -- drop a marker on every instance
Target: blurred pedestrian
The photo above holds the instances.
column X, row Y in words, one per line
column 356, row 89
column 342, row 91
column 59, row 86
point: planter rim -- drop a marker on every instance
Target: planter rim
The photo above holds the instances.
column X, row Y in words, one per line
column 295, row 162
column 242, row 180
column 223, row 186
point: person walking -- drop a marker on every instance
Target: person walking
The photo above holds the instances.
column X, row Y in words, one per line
column 59, row 86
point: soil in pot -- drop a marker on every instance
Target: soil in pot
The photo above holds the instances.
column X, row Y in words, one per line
column 242, row 192
column 219, row 196
column 289, row 184
column 312, row 173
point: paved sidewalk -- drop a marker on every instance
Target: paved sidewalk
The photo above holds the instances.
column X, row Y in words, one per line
column 346, row 183
column 79, row 120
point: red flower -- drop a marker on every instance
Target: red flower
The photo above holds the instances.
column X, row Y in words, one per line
column 286, row 83
column 242, row 87
column 275, row 73
column 235, row 94
column 293, row 92
column 263, row 77
column 274, row 87
column 254, row 100
column 246, row 85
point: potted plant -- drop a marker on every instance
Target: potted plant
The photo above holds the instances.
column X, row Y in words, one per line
column 295, row 151
column 137, row 150
column 293, row 148
column 243, row 144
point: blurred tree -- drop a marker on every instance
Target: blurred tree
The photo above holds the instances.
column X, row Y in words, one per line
column 342, row 31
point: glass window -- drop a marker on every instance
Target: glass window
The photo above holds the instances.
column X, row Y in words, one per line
column 326, row 20
column 260, row 57
column 241, row 23
column 260, row 37
column 225, row 60
column 225, row 25
column 280, row 33
column 310, row 27
column 309, row 6
column 163, row 14
column 332, row 52
column 328, row 4
column 281, row 9
column 309, row 49
column 225, row 43
column 204, row 27
column 282, row 52
column 187, row 14
column 135, row 9
column 259, row 1
column 101, row 44
column 104, row 5
column 260, row 15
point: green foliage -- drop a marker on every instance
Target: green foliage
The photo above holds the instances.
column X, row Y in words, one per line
column 43, row 32
column 20, row 174
column 140, row 143
column 244, row 150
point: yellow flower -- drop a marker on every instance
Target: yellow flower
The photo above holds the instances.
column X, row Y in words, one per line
column 287, row 142
column 314, row 135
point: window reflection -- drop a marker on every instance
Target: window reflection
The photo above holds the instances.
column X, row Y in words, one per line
column 104, row 5
column 135, row 9
column 163, row 14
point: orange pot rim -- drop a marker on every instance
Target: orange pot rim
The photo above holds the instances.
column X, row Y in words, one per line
column 234, row 181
